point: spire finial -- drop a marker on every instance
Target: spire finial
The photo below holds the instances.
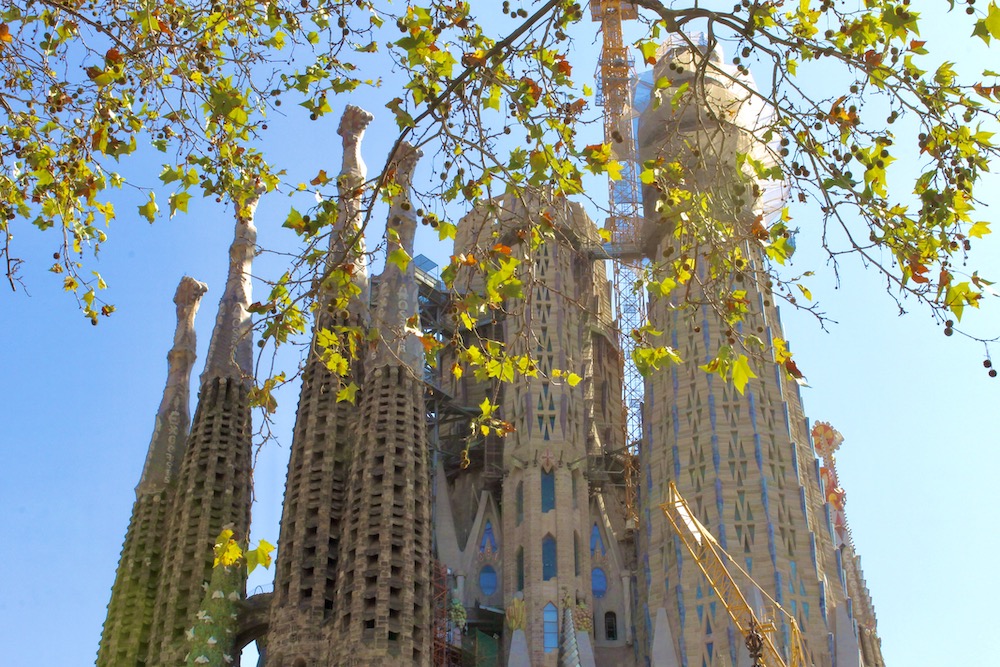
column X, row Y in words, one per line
column 230, row 353
column 347, row 241
column 173, row 416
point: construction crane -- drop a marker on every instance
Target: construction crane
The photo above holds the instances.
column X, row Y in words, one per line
column 715, row 563
column 614, row 93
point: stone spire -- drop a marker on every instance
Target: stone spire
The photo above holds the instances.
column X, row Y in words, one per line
column 323, row 442
column 173, row 418
column 397, row 295
column 347, row 243
column 213, row 485
column 384, row 574
column 230, row 353
column 125, row 640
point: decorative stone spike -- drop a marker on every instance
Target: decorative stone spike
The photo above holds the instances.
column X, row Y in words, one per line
column 125, row 640
column 323, row 443
column 569, row 652
column 213, row 486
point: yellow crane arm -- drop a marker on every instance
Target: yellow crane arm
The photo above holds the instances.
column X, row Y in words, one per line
column 712, row 560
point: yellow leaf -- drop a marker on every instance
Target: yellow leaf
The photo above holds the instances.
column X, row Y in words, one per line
column 980, row 229
column 348, row 393
column 614, row 170
column 486, row 407
column 573, row 379
column 742, row 373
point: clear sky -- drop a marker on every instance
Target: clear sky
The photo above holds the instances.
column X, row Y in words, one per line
column 917, row 410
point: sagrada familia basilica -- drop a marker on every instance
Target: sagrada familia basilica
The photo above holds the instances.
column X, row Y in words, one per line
column 404, row 540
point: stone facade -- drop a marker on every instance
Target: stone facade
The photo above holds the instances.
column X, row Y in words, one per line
column 531, row 527
column 557, row 525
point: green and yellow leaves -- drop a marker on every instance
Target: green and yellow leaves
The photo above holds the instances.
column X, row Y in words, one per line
column 731, row 367
column 149, row 209
column 988, row 27
column 653, row 358
column 228, row 552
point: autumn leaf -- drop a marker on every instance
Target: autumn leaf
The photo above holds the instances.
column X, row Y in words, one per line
column 149, row 209
column 742, row 373
column 399, row 259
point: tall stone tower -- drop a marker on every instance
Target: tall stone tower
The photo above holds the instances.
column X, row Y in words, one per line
column 744, row 462
column 383, row 583
column 125, row 640
column 547, row 534
column 213, row 485
column 324, row 441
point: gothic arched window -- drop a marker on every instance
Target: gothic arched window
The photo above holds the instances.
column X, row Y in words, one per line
column 550, row 626
column 548, row 557
column 519, row 502
column 520, row 568
column 611, row 626
column 598, row 583
column 488, row 580
column 548, row 491
column 488, row 538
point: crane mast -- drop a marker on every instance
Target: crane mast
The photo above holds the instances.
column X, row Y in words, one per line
column 715, row 563
column 614, row 93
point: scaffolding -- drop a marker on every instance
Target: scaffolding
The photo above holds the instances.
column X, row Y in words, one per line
column 614, row 93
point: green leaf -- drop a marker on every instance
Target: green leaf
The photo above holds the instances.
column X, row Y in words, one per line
column 648, row 51
column 487, row 408
column 149, row 209
column 179, row 202
column 348, row 393
column 399, row 259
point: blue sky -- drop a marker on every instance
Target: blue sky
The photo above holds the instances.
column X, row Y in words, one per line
column 917, row 410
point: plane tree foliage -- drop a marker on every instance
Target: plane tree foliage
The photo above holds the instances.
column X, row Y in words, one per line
column 496, row 93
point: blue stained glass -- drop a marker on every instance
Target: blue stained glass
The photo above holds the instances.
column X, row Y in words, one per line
column 548, row 557
column 599, row 582
column 596, row 540
column 488, row 538
column 548, row 491
column 488, row 580
column 550, row 626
